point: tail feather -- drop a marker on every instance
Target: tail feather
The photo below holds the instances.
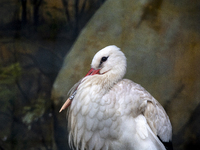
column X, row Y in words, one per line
column 168, row 145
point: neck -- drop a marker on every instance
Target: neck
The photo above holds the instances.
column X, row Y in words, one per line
column 104, row 81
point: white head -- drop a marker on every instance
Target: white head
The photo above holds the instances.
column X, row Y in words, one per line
column 109, row 61
column 108, row 66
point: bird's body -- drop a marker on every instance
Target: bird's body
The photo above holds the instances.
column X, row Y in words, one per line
column 112, row 113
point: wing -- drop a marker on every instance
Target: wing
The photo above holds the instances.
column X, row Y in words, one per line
column 159, row 122
column 145, row 133
column 155, row 115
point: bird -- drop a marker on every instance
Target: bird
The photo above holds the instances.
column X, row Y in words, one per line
column 108, row 112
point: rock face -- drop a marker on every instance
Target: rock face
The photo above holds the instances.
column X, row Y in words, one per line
column 161, row 40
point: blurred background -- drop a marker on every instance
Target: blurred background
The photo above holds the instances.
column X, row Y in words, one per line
column 46, row 46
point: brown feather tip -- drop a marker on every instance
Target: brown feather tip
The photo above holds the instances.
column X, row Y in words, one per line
column 65, row 105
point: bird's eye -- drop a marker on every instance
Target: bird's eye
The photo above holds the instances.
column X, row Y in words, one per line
column 103, row 59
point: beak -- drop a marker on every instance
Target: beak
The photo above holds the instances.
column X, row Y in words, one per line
column 92, row 71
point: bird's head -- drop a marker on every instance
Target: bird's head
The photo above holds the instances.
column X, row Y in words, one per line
column 109, row 61
column 108, row 66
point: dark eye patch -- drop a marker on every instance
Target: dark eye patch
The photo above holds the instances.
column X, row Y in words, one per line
column 103, row 59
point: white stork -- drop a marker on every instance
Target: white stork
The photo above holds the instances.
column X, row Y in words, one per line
column 108, row 112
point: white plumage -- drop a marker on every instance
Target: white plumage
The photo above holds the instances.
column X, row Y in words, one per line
column 112, row 113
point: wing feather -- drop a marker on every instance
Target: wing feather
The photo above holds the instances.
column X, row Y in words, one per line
column 144, row 103
column 158, row 121
column 155, row 114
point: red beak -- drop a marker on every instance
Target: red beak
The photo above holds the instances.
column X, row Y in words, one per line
column 92, row 71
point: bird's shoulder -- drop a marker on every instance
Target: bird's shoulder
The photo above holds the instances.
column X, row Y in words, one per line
column 131, row 91
column 132, row 87
column 131, row 97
